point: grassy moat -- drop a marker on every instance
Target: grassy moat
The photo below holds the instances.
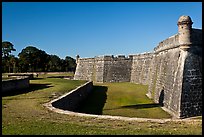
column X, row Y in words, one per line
column 24, row 114
column 122, row 99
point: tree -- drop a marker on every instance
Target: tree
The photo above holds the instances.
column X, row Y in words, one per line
column 70, row 64
column 32, row 59
column 7, row 48
column 12, row 63
column 7, row 58
column 54, row 63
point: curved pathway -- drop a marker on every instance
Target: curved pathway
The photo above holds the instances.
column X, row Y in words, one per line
column 50, row 107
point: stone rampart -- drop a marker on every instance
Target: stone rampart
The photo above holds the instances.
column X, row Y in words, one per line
column 176, row 79
column 141, row 68
column 72, row 99
column 85, row 69
column 117, row 69
column 165, row 83
column 104, row 69
column 169, row 43
column 173, row 71
column 15, row 84
column 196, row 37
column 191, row 96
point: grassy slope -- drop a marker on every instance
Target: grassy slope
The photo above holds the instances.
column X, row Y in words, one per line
column 24, row 114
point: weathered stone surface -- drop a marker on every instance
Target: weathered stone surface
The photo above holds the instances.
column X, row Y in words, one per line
column 173, row 71
column 15, row 84
column 72, row 100
column 191, row 97
column 141, row 68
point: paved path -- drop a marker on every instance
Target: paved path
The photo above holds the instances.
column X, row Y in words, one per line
column 49, row 106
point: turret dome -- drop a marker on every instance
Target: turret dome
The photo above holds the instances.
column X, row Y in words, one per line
column 184, row 20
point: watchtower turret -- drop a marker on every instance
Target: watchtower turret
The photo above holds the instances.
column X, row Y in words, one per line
column 184, row 30
column 77, row 58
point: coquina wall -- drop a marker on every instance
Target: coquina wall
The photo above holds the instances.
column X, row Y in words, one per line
column 141, row 68
column 72, row 100
column 176, row 75
column 173, row 71
column 104, row 69
column 117, row 69
column 91, row 69
column 13, row 85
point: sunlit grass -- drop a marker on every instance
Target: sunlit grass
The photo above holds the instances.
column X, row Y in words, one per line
column 123, row 99
column 24, row 114
column 45, row 75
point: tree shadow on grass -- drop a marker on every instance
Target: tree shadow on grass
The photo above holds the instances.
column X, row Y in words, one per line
column 95, row 101
column 32, row 87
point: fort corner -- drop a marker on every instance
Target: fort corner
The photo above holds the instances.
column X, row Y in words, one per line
column 172, row 71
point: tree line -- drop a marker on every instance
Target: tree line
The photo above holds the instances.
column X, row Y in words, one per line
column 32, row 59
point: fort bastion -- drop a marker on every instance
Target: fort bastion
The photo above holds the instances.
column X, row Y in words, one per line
column 172, row 71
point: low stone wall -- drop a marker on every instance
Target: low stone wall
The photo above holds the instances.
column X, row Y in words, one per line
column 30, row 75
column 72, row 100
column 15, row 84
column 65, row 77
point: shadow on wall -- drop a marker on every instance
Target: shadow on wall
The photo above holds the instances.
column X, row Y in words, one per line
column 32, row 87
column 161, row 98
column 95, row 101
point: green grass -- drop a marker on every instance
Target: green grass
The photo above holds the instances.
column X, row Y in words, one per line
column 128, row 99
column 24, row 114
column 45, row 75
column 57, row 74
column 122, row 99
column 8, row 78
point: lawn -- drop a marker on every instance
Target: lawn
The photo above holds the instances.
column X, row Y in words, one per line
column 24, row 113
column 45, row 75
column 122, row 99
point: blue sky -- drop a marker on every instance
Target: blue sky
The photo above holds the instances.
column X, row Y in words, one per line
column 93, row 28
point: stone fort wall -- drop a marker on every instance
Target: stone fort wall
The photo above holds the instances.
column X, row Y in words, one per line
column 173, row 71
column 176, row 76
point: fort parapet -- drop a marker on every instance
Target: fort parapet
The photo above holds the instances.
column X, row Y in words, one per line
column 172, row 71
column 169, row 43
